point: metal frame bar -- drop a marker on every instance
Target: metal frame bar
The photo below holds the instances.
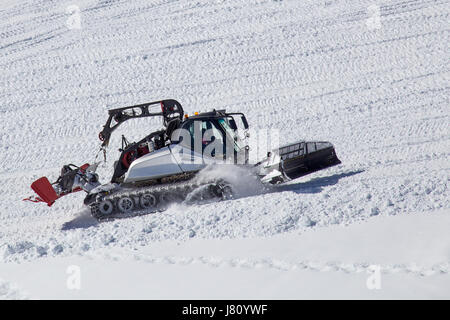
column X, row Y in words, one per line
column 170, row 109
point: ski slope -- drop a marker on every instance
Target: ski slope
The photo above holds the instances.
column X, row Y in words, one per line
column 376, row 87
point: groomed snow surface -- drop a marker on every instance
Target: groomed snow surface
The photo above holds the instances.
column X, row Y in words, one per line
column 371, row 77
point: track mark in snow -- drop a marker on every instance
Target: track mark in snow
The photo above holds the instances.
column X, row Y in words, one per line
column 270, row 263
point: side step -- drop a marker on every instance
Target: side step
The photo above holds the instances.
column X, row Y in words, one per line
column 302, row 158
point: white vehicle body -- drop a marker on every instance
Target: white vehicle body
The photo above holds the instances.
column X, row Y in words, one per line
column 170, row 160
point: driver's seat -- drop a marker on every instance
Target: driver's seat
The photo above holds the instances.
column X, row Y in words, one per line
column 172, row 125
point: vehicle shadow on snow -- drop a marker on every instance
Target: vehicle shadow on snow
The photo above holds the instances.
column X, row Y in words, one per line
column 82, row 221
column 315, row 185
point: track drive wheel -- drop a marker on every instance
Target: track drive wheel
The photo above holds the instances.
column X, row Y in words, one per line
column 105, row 207
column 147, row 201
column 125, row 204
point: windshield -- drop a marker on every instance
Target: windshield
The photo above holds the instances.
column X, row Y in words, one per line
column 237, row 142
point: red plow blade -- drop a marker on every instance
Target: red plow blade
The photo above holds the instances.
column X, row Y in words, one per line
column 44, row 190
